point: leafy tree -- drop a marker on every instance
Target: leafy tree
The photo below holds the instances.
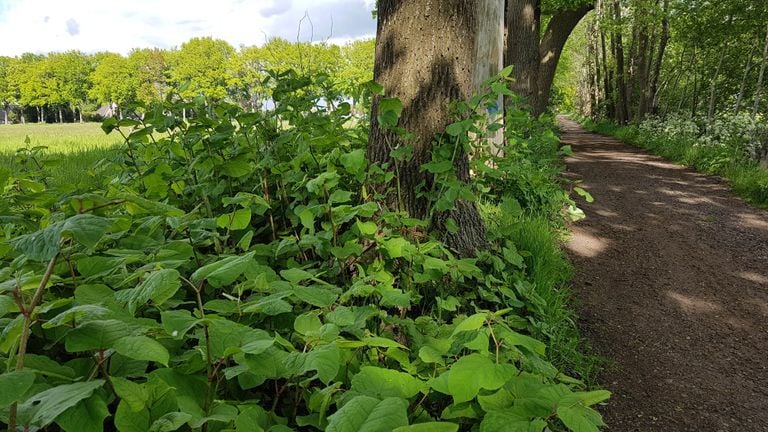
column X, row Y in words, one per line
column 113, row 80
column 246, row 77
column 356, row 68
column 151, row 67
column 28, row 77
column 199, row 67
column 70, row 74
column 7, row 93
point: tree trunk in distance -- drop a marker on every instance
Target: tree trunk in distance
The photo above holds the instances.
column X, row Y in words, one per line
column 656, row 74
column 759, row 88
column 425, row 56
column 552, row 42
column 743, row 86
column 713, row 87
column 622, row 111
column 523, row 22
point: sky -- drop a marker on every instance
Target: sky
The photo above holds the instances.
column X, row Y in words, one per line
column 42, row 26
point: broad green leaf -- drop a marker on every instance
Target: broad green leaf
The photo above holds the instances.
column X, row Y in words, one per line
column 584, row 194
column 14, row 385
column 307, row 323
column 354, row 162
column 295, row 275
column 86, row 229
column 237, row 220
column 251, row 419
column 514, row 338
column 223, row 272
column 170, row 422
column 76, row 314
column 325, row 360
column 429, row 427
column 178, row 322
column 382, row 383
column 86, row 416
column 315, row 295
column 586, row 398
column 50, row 403
column 506, row 421
column 96, row 335
column 368, row 414
column 159, row 286
column 40, row 246
column 133, row 394
column 438, row 167
column 471, row 323
column 142, row 348
column 396, row 247
column 127, row 420
column 579, row 418
column 367, row 228
column 470, row 374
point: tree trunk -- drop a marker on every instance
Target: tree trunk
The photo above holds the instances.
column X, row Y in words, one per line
column 61, row 116
column 489, row 52
column 425, row 56
column 622, row 111
column 80, row 114
column 713, row 86
column 607, row 73
column 5, row 115
column 552, row 42
column 656, row 73
column 743, row 86
column 759, row 88
column 522, row 51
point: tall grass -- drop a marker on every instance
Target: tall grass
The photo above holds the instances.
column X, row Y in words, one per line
column 71, row 154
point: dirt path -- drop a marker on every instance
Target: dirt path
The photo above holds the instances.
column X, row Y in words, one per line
column 672, row 276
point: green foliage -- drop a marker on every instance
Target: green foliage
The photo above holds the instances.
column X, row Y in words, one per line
column 236, row 272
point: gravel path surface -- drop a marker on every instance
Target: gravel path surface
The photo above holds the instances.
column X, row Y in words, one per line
column 672, row 280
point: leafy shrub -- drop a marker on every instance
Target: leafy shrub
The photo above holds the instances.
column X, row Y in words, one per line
column 235, row 272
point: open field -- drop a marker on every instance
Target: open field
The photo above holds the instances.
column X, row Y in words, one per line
column 73, row 149
column 59, row 138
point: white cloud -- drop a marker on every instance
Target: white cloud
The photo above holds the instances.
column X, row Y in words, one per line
column 42, row 26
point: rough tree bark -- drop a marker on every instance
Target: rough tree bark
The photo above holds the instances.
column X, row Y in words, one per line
column 523, row 40
column 535, row 57
column 425, row 56
column 552, row 43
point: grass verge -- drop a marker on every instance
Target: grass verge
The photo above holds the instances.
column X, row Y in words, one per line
column 746, row 177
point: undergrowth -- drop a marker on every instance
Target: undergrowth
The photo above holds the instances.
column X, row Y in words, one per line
column 728, row 159
column 237, row 272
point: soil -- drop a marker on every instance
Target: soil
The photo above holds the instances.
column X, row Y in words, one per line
column 672, row 280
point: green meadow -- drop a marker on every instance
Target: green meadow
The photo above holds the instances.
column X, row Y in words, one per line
column 70, row 151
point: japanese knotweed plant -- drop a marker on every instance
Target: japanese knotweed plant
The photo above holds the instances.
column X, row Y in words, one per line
column 233, row 274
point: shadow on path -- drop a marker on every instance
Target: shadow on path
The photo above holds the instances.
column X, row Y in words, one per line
column 672, row 277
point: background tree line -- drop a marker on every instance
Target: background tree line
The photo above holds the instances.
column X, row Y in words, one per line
column 61, row 87
column 698, row 57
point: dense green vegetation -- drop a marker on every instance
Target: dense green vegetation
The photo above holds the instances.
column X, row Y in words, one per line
column 235, row 271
